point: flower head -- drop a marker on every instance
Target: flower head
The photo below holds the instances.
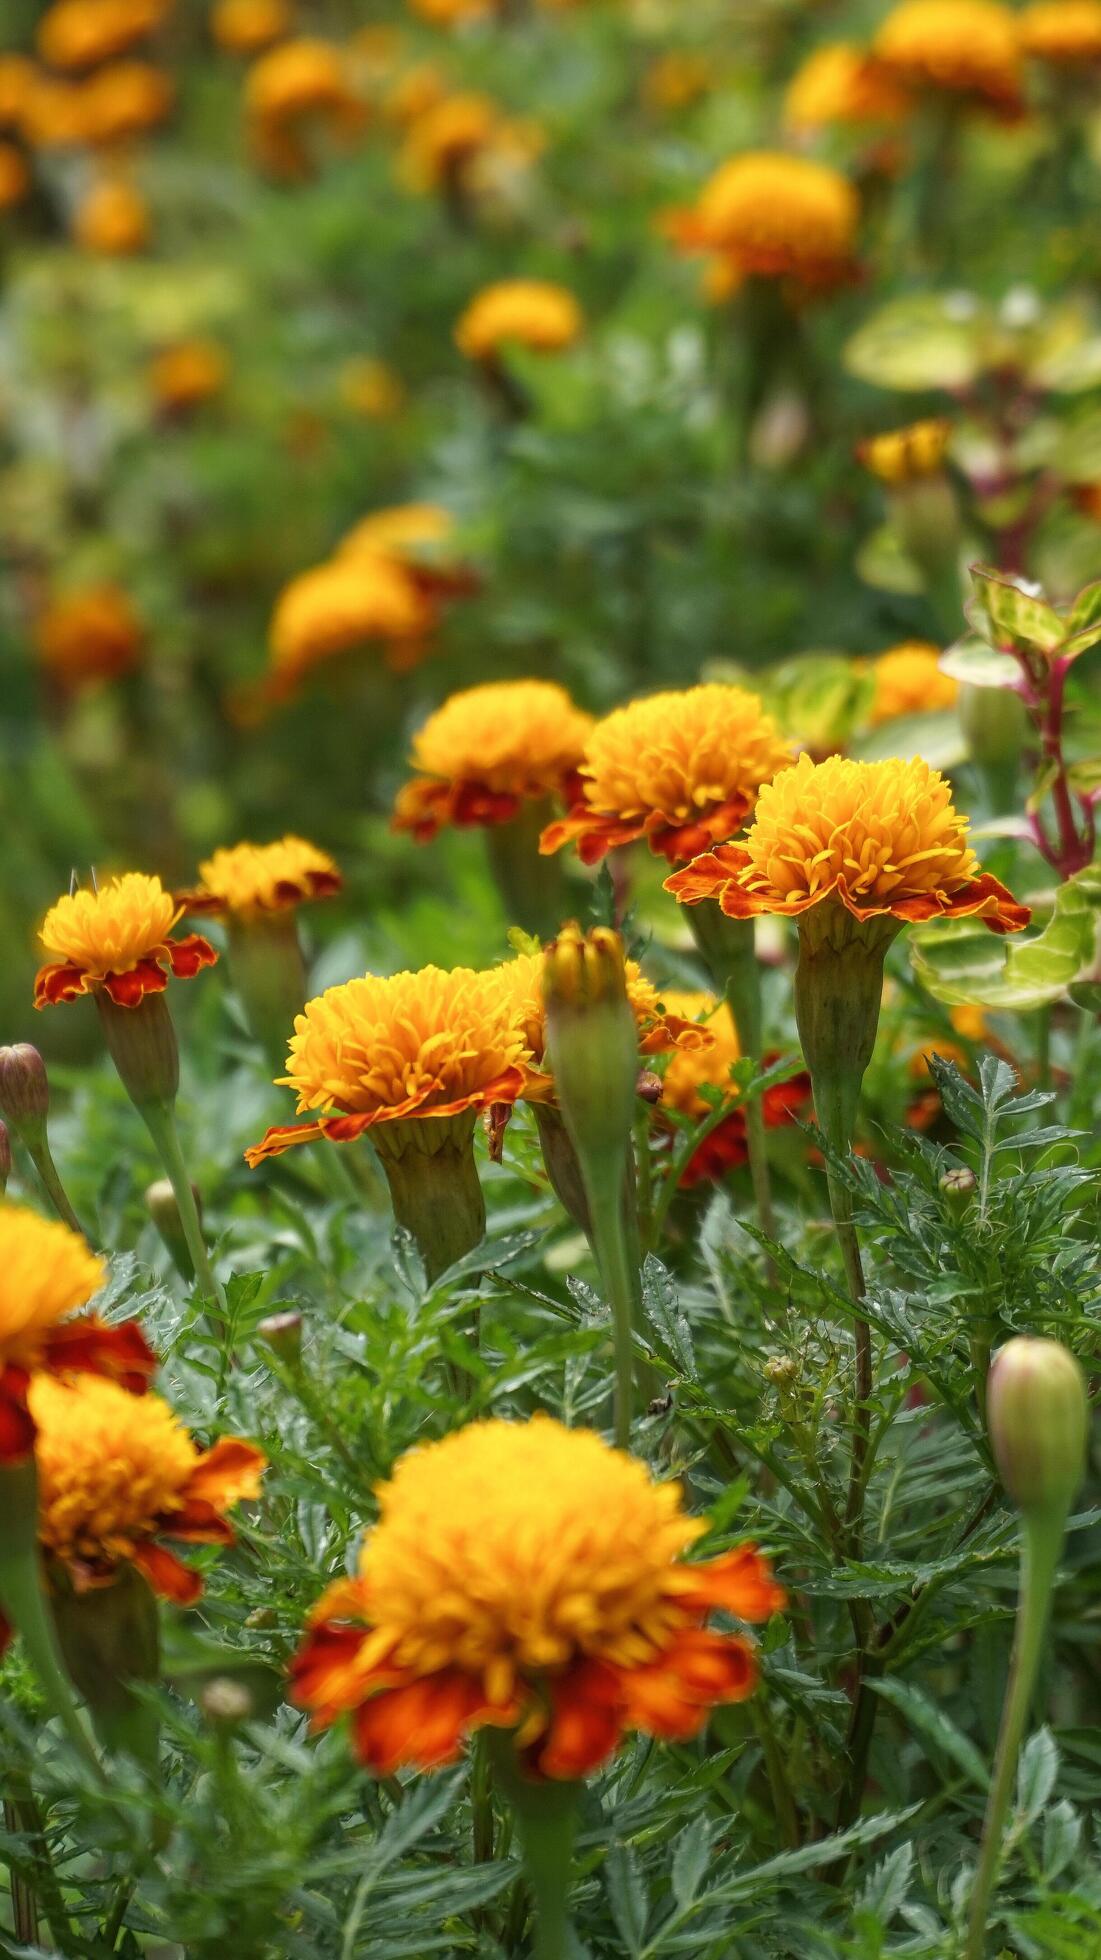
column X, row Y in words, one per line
column 767, row 215
column 248, row 26
column 419, row 539
column 126, row 99
column 294, row 88
column 1062, row 33
column 187, row 374
column 967, row 48
column 79, row 33
column 531, row 313
column 695, row 1066
column 906, row 455
column 89, row 634
column 112, row 219
column 527, row 1576
column 47, row 1274
column 116, row 1475
column 251, row 880
column 842, row 83
column 486, row 750
column 682, row 769
column 878, row 839
column 117, row 938
column 908, row 681
column 360, row 599
column 431, row 1043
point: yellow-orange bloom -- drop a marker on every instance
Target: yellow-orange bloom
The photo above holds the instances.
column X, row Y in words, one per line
column 88, row 635
column 247, row 880
column 531, row 313
column 906, row 455
column 767, row 215
column 452, row 13
column 418, row 537
column 118, row 938
column 967, row 48
column 15, row 176
column 695, row 1066
column 248, row 26
column 80, row 33
column 357, row 600
column 487, row 750
column 125, row 100
column 296, row 86
column 17, row 79
column 53, row 114
column 112, row 220
column 1063, row 33
column 372, row 388
column 116, row 1475
column 183, row 377
column 46, row 1274
column 875, row 839
column 681, row 768
column 527, row 1576
column 842, row 83
column 446, row 137
column 908, row 681
column 412, row 1045
column 414, row 93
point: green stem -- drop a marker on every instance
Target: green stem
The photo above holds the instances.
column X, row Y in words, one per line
column 160, row 1121
column 22, row 1813
column 729, row 948
column 620, row 1278
column 1041, row 1544
column 41, row 1156
column 23, row 1599
column 546, row 1815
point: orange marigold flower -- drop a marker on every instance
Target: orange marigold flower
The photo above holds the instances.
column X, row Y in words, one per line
column 772, row 216
column 487, row 750
column 527, row 1576
column 871, row 839
column 372, row 388
column 248, row 26
column 117, row 938
column 116, row 1476
column 418, row 537
column 967, row 48
column 53, row 114
column 696, row 1066
column 908, row 681
column 899, row 456
column 125, row 100
column 293, row 86
column 46, row 1274
column 412, row 1045
column 452, row 13
column 531, row 313
column 359, row 599
column 681, row 768
column 842, row 83
column 15, row 176
column 446, row 137
column 17, row 79
column 1063, row 33
column 184, row 376
column 81, row 33
column 249, row 879
column 112, row 220
column 521, row 985
column 88, row 635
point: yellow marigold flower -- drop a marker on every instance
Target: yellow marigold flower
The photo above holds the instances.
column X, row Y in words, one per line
column 182, row 377
column 842, row 83
column 116, row 1474
column 372, row 388
column 117, row 938
column 877, row 839
column 296, row 86
column 967, row 48
column 46, row 1274
column 908, row 681
column 532, row 313
column 773, row 216
column 681, row 768
column 88, row 635
column 660, row 1027
column 452, row 13
column 54, row 113
column 81, row 33
column 1063, row 33
column 125, row 100
column 18, row 77
column 356, row 600
column 487, row 750
column 904, row 455
column 413, row 1045
column 112, row 220
column 527, row 1576
column 412, row 533
column 445, row 139
column 250, row 879
column 677, row 79
column 248, row 26
column 15, row 176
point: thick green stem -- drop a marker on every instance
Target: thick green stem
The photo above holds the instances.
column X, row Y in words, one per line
column 434, row 1186
column 160, row 1121
column 532, row 888
column 546, row 1815
column 1041, row 1544
column 728, row 947
column 265, row 960
column 23, row 1600
column 41, row 1156
column 619, row 1273
column 22, row 1813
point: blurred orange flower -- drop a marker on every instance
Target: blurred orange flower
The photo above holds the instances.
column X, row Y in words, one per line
column 531, row 313
column 488, row 749
column 90, row 634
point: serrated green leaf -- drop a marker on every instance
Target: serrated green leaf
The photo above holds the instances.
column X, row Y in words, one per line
column 627, row 1896
column 1036, row 1774
column 690, row 1857
column 934, row 1726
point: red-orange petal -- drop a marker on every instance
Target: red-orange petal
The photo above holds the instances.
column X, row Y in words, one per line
column 16, row 1423
column 670, row 1697
column 229, row 1473
column 282, row 1137
column 426, row 1722
column 129, row 989
column 167, row 1574
column 593, row 834
column 189, row 955
column 708, row 875
column 586, row 1723
column 87, row 1345
column 504, row 1088
column 739, row 1581
column 60, row 982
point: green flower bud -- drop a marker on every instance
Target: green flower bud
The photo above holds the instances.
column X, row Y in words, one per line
column 24, row 1088
column 283, row 1334
column 592, row 1039
column 1038, row 1417
column 160, row 1203
column 958, row 1187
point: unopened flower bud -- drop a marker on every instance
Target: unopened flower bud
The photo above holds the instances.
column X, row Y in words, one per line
column 225, row 1701
column 24, row 1087
column 592, row 1039
column 1038, row 1416
column 958, row 1186
column 5, row 1158
column 160, row 1203
column 283, row 1333
column 261, row 1616
column 780, row 1370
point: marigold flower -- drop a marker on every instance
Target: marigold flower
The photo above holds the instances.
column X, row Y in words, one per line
column 17, row 78
column 250, row 880
column 15, row 177
column 772, row 216
column 248, row 26
column 527, row 1576
column 698, row 1065
column 372, row 388
column 876, row 839
column 899, row 456
column 908, row 681
column 682, row 768
column 117, row 938
column 116, row 1476
column 88, row 635
column 842, row 83
column 184, row 376
column 966, row 48
column 487, row 750
column 418, row 537
column 46, row 1274
column 53, row 114
column 294, row 85
column 414, row 93
column 452, row 13
column 412, row 1045
column 356, row 600
column 80, row 33
column 126, row 99
column 1063, row 33
column 446, row 137
column 112, row 220
column 531, row 313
